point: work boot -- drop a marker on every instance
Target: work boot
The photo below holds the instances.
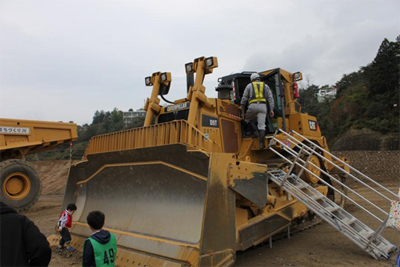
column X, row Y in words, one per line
column 245, row 126
column 262, row 139
column 253, row 131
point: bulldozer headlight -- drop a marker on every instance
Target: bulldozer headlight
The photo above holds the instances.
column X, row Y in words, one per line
column 209, row 62
column 189, row 68
column 165, row 77
column 148, row 81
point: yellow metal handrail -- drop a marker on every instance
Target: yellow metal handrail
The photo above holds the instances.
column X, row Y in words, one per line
column 173, row 132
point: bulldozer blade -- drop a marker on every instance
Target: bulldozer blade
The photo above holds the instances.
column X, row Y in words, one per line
column 166, row 205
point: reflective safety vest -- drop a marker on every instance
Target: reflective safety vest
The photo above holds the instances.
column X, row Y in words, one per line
column 258, row 96
column 104, row 254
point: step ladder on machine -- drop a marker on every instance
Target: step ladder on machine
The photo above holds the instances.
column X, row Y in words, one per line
column 297, row 150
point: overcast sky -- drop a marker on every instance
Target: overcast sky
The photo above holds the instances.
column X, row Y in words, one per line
column 63, row 60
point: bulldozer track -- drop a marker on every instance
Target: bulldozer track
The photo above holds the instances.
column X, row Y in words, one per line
column 297, row 228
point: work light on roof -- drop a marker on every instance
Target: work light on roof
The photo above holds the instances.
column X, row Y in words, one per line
column 297, row 76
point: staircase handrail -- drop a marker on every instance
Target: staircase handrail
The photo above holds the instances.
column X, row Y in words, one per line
column 310, row 151
column 330, row 186
column 344, row 163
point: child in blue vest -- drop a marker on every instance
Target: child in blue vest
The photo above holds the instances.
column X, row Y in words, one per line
column 100, row 248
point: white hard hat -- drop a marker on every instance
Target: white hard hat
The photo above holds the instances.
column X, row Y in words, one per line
column 254, row 76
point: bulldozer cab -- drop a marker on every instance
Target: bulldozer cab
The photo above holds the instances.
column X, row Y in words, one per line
column 273, row 79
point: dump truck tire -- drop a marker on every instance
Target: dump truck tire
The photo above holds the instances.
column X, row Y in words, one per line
column 20, row 184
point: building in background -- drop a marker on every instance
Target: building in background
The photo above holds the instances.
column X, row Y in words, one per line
column 129, row 116
column 326, row 92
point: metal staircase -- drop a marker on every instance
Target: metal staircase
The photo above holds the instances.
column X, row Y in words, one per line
column 296, row 150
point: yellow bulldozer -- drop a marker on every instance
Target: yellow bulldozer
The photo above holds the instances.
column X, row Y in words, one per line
column 20, row 183
column 188, row 189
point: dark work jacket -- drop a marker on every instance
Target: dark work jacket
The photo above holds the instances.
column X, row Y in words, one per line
column 21, row 242
column 102, row 237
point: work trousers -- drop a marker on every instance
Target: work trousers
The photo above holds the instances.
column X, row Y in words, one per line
column 258, row 109
column 65, row 236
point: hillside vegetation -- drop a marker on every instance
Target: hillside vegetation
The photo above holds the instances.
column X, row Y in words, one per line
column 367, row 98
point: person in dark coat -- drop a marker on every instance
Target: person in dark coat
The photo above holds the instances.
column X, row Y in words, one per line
column 21, row 242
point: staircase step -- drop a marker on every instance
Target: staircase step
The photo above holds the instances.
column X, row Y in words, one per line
column 317, row 197
column 332, row 208
column 349, row 221
column 386, row 247
column 302, row 185
column 366, row 234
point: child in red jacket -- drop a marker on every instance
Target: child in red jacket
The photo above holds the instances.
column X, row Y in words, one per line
column 64, row 223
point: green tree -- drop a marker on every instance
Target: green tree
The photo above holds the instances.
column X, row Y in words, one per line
column 98, row 117
column 383, row 74
column 308, row 99
column 365, row 98
column 136, row 122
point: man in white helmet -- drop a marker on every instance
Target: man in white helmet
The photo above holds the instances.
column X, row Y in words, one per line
column 257, row 93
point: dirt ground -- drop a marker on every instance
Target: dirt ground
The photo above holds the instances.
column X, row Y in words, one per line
column 321, row 245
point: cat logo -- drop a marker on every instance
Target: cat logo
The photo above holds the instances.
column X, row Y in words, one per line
column 312, row 125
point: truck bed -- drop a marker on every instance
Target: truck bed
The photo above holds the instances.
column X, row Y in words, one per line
column 19, row 138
